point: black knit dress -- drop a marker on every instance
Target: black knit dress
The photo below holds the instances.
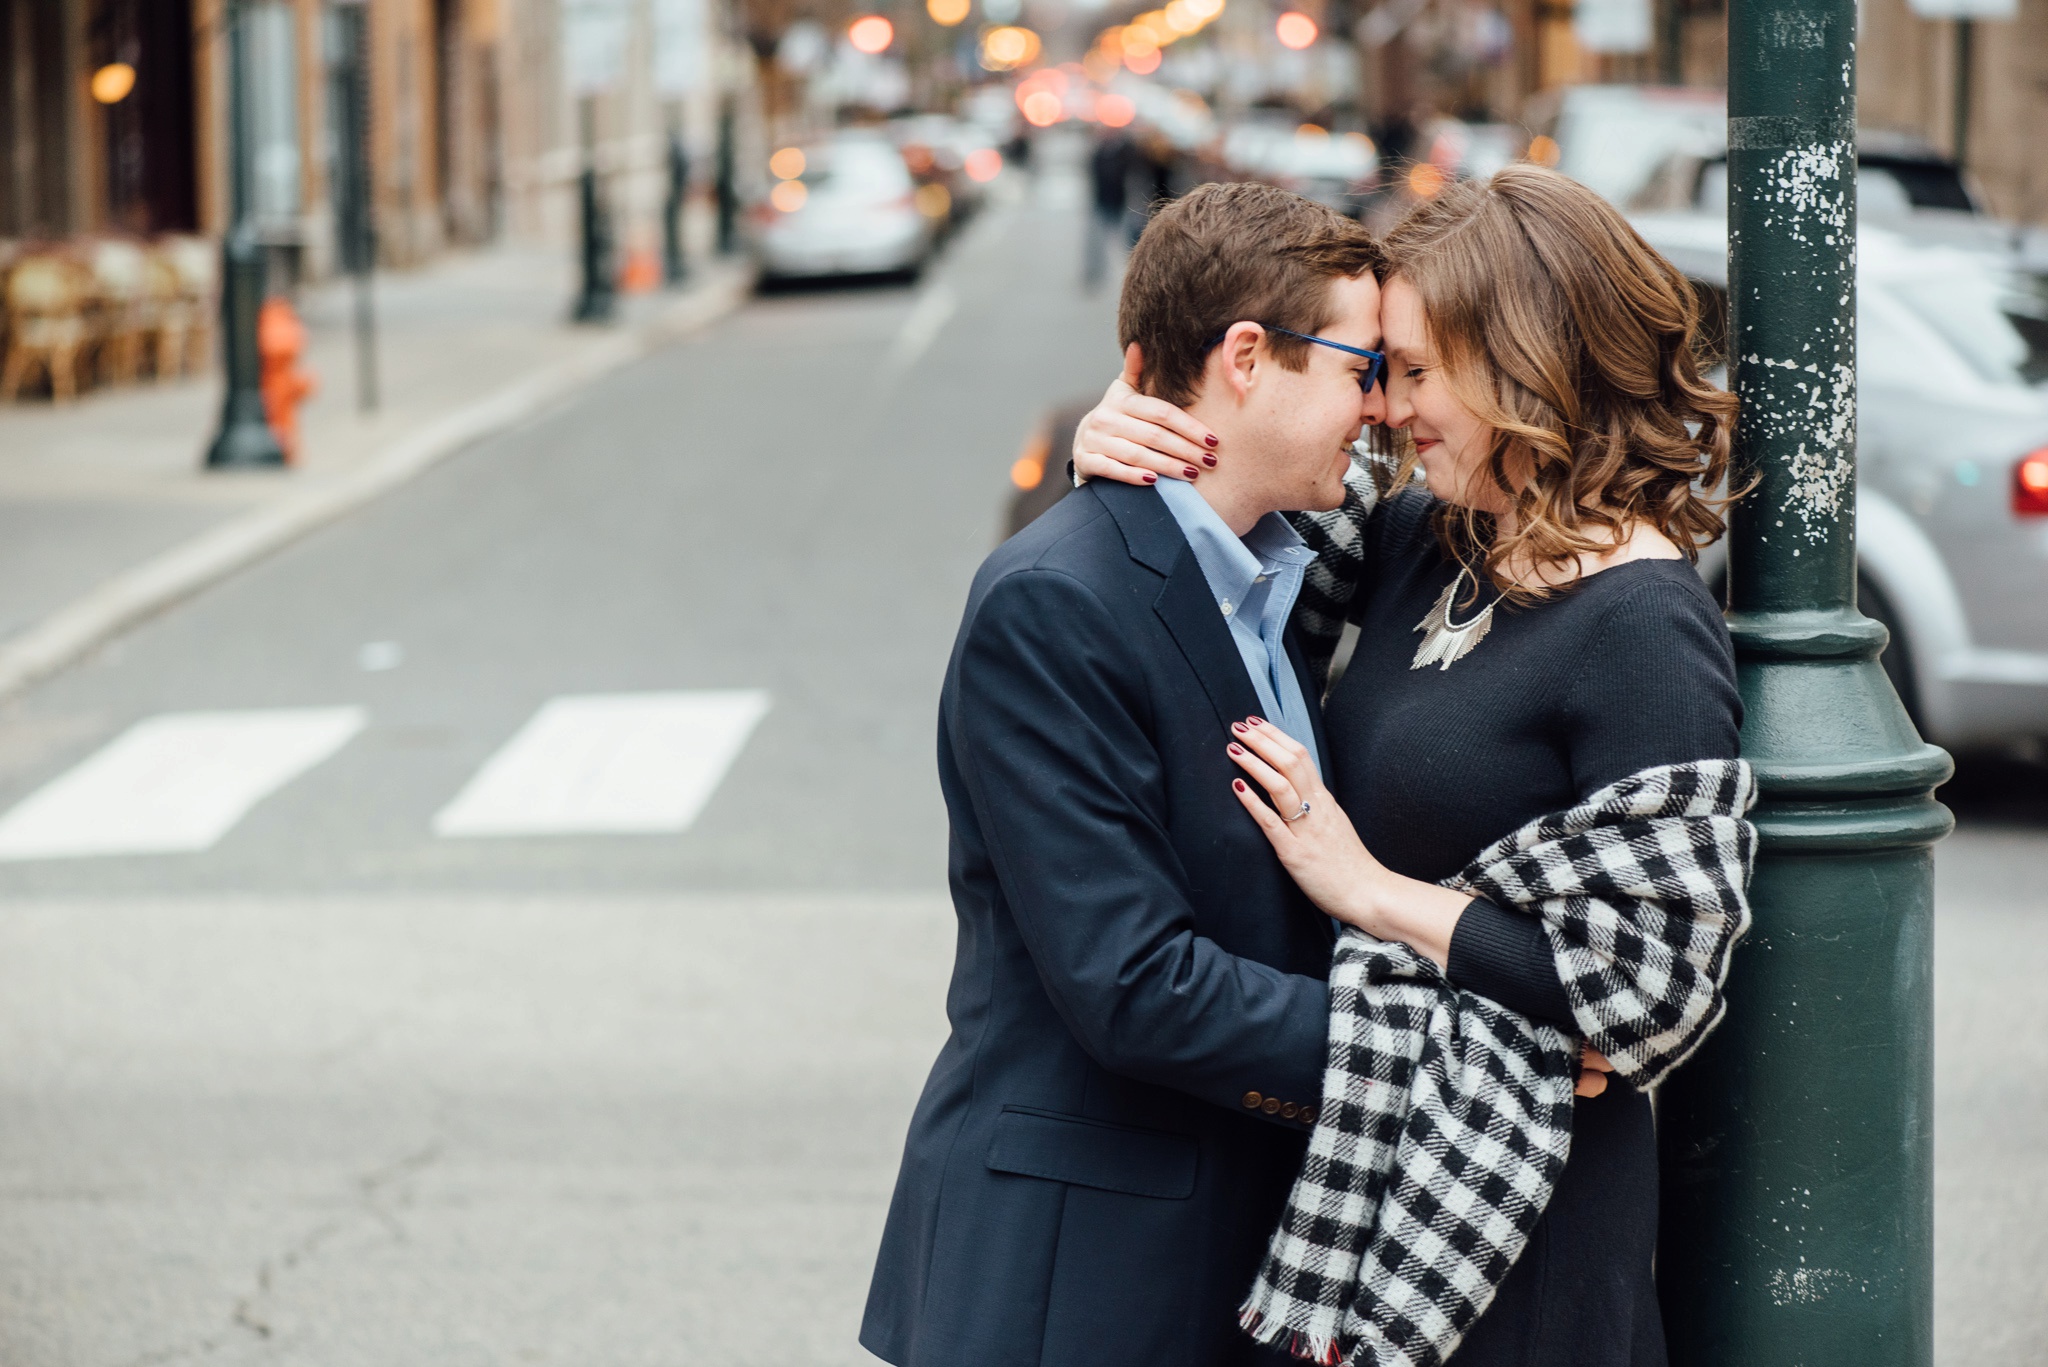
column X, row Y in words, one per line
column 1629, row 669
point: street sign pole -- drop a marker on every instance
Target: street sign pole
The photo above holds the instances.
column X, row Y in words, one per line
column 727, row 186
column 244, row 439
column 354, row 195
column 594, row 59
column 1966, row 43
column 1797, row 1147
column 675, row 259
column 595, row 301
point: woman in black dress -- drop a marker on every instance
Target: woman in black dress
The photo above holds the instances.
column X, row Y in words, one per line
column 1532, row 630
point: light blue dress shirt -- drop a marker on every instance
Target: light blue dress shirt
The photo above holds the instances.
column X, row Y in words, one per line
column 1255, row 579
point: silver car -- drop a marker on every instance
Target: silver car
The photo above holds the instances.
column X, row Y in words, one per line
column 845, row 206
column 1952, row 496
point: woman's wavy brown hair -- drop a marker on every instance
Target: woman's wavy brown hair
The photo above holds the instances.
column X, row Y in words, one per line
column 1578, row 345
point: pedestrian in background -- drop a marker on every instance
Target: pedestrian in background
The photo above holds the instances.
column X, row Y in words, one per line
column 1109, row 171
column 1154, row 162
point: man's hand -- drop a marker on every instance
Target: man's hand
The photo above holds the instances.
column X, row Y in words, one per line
column 1593, row 1071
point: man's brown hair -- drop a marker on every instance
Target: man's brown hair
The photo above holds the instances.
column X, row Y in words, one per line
column 1223, row 254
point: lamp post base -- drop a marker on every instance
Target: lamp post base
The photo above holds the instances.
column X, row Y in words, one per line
column 1797, row 1154
column 245, row 438
column 244, row 444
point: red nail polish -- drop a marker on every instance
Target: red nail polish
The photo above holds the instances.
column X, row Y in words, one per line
column 1236, row 749
column 1209, row 461
column 1150, row 478
column 1238, row 784
column 1209, row 439
column 1238, row 727
column 1254, row 721
column 1192, row 472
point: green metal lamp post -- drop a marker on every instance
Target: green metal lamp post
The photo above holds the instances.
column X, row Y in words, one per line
column 1797, row 1224
column 244, row 438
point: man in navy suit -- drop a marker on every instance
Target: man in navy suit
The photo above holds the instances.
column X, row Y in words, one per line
column 1138, row 1003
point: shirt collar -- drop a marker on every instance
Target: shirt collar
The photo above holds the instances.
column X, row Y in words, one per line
column 1230, row 564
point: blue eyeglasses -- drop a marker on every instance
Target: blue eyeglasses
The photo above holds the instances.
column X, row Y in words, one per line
column 1367, row 377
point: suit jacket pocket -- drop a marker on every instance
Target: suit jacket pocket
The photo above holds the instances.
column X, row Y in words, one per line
column 1093, row 1153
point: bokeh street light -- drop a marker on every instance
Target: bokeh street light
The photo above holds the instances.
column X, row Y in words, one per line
column 871, row 34
column 983, row 165
column 1295, row 30
column 112, row 82
column 1042, row 108
column 948, row 12
column 1425, row 179
column 1007, row 48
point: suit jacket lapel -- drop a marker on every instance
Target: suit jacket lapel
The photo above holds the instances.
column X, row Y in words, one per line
column 1308, row 692
column 1187, row 605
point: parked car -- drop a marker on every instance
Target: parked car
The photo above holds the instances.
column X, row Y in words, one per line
column 1614, row 138
column 1952, row 493
column 1471, row 151
column 1905, row 187
column 959, row 158
column 1334, row 169
column 844, row 206
column 1655, row 150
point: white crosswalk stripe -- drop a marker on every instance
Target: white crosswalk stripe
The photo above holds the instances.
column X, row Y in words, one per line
column 608, row 763
column 177, row 782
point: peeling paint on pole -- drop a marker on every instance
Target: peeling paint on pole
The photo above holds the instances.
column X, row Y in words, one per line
column 1792, row 236
column 1797, row 1218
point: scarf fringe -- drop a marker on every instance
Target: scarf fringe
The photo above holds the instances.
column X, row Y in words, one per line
column 1275, row 1333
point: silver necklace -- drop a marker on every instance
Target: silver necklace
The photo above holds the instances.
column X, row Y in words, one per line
column 1448, row 641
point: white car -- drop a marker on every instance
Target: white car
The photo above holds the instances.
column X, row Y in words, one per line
column 1333, row 169
column 847, row 207
column 1952, row 490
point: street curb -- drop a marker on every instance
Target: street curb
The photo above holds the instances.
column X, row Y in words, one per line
column 147, row 589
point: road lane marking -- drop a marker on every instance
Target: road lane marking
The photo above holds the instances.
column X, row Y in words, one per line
column 608, row 763
column 173, row 783
column 927, row 317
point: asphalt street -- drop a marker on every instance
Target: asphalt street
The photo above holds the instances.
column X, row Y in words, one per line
column 343, row 1088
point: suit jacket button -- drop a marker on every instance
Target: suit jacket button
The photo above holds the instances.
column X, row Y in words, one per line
column 1290, row 1110
column 1252, row 1100
column 1272, row 1106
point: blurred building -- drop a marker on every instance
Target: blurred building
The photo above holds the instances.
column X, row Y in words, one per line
column 114, row 116
column 1499, row 59
column 1910, row 64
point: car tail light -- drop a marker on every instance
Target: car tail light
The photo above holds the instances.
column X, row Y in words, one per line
column 2030, row 484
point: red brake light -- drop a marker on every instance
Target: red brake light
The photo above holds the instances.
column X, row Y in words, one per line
column 2030, row 484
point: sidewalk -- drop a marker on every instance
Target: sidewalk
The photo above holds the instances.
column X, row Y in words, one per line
column 107, row 514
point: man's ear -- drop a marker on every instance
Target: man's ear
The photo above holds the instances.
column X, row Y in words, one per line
column 1240, row 355
column 1134, row 367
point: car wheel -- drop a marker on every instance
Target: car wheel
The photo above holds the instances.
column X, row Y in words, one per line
column 1898, row 655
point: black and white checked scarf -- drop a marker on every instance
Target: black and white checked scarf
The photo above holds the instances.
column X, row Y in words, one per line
column 1446, row 1119
column 1338, row 539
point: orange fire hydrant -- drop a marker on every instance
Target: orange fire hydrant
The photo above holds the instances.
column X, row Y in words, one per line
column 280, row 341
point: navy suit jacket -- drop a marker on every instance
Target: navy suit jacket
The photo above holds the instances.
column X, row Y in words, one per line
column 1138, row 1001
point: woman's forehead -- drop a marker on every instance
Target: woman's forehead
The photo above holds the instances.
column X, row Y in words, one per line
column 1401, row 320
